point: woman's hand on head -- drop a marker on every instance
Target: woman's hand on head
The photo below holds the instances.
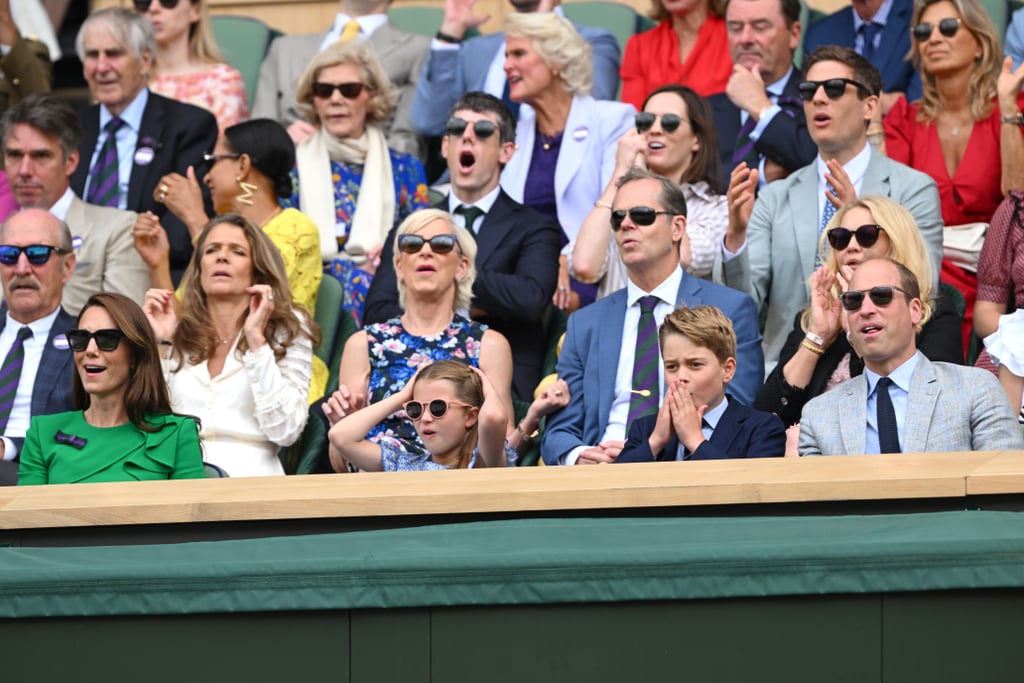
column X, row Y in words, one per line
column 150, row 239
column 261, row 305
column 158, row 306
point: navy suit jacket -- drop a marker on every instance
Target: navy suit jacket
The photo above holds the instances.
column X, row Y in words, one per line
column 785, row 140
column 516, row 274
column 52, row 390
column 741, row 432
column 182, row 133
column 590, row 361
column 898, row 74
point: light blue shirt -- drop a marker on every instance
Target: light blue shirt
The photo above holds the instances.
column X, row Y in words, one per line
column 899, row 392
column 127, row 138
column 708, row 425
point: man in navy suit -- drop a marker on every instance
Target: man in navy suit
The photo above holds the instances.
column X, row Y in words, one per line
column 32, row 293
column 597, row 361
column 157, row 136
column 517, row 248
column 759, row 117
column 879, row 30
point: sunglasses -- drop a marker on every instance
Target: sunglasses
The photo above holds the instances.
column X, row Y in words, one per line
column 640, row 215
column 669, row 122
column 211, row 159
column 947, row 27
column 439, row 244
column 106, row 340
column 349, row 91
column 834, row 88
column 37, row 254
column 483, row 128
column 880, row 296
column 437, row 408
column 867, row 235
column 142, row 6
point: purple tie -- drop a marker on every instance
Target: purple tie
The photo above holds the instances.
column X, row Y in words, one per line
column 646, row 394
column 744, row 148
column 10, row 375
column 103, row 178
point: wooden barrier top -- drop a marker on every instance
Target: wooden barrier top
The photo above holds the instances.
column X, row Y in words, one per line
column 536, row 489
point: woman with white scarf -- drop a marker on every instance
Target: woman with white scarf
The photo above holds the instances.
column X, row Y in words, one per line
column 347, row 180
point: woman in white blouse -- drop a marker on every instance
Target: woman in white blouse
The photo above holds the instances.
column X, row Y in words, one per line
column 238, row 353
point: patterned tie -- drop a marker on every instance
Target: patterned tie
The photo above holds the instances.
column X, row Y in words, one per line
column 349, row 31
column 103, row 178
column 868, row 31
column 826, row 216
column 470, row 213
column 743, row 150
column 10, row 374
column 646, row 394
column 888, row 434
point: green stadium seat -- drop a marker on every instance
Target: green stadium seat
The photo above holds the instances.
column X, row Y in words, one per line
column 244, row 42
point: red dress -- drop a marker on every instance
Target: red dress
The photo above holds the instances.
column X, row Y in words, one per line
column 973, row 192
column 652, row 60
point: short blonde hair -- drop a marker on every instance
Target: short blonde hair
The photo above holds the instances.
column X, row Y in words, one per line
column 382, row 95
column 559, row 45
column 465, row 243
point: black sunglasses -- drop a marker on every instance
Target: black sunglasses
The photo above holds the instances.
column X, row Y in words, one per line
column 834, row 88
column 37, row 254
column 106, row 340
column 645, row 121
column 641, row 215
column 483, row 128
column 437, row 408
column 439, row 244
column 867, row 235
column 349, row 91
column 210, row 159
column 142, row 6
column 880, row 296
column 947, row 27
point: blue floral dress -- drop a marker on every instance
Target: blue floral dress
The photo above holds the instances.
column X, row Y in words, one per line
column 396, row 355
column 394, row 459
column 411, row 193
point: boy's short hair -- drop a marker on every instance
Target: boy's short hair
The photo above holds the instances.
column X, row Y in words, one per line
column 704, row 326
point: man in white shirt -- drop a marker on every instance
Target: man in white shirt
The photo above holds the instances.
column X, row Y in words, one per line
column 771, row 246
column 36, row 261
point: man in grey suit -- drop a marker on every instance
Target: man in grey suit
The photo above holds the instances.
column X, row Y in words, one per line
column 401, row 53
column 771, row 246
column 41, row 136
column 903, row 402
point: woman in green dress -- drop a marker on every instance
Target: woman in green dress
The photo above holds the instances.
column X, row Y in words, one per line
column 125, row 429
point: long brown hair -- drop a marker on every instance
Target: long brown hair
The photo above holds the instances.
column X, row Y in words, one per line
column 468, row 389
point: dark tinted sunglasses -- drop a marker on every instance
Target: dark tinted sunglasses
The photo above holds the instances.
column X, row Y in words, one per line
column 641, row 215
column 880, row 296
column 437, row 408
column 834, row 88
column 349, row 91
column 439, row 244
column 947, row 27
column 210, row 159
column 106, row 340
column 867, row 235
column 142, row 6
column 645, row 121
column 37, row 254
column 483, row 128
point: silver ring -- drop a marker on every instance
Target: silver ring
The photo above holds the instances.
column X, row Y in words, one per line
column 270, row 297
column 558, row 392
column 561, row 289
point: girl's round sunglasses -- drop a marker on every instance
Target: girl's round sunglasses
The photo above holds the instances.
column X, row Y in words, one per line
column 438, row 407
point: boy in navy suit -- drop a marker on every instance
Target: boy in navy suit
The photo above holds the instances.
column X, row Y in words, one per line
column 698, row 421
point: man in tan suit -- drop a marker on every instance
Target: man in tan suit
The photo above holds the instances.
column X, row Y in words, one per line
column 401, row 53
column 41, row 136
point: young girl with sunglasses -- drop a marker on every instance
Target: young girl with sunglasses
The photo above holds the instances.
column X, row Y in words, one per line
column 456, row 413
column 817, row 355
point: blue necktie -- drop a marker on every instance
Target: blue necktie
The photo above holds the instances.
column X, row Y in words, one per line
column 104, row 180
column 888, row 434
column 869, row 31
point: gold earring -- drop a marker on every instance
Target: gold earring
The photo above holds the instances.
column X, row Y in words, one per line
column 248, row 190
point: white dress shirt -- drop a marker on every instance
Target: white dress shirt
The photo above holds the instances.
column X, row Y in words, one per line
column 368, row 23
column 21, row 411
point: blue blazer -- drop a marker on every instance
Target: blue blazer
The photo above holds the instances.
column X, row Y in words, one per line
column 52, row 391
column 898, row 74
column 590, row 361
column 741, row 432
column 448, row 74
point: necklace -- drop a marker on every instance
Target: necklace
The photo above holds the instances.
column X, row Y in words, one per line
column 225, row 340
column 549, row 141
column 273, row 214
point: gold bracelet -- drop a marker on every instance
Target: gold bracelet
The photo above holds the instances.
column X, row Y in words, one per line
column 813, row 348
column 602, row 205
column 524, row 435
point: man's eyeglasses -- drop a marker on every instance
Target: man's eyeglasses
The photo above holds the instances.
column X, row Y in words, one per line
column 880, row 296
column 142, row 6
column 439, row 244
column 645, row 121
column 483, row 128
column 437, row 408
column 106, row 340
column 640, row 215
column 349, row 91
column 947, row 27
column 834, row 88
column 867, row 235
column 37, row 254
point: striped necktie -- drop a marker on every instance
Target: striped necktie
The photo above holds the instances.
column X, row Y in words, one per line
column 645, row 394
column 10, row 375
column 104, row 178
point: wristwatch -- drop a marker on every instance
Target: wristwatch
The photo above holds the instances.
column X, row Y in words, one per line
column 1016, row 119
